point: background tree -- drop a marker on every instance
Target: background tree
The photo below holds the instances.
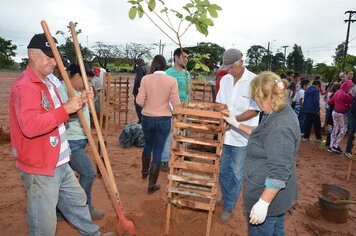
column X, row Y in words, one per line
column 67, row 49
column 105, row 53
column 255, row 54
column 309, row 66
column 7, row 51
column 215, row 54
column 133, row 51
column 295, row 59
column 23, row 63
column 329, row 73
column 277, row 62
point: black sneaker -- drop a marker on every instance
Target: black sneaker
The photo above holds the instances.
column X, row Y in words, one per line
column 348, row 154
column 336, row 149
column 330, row 149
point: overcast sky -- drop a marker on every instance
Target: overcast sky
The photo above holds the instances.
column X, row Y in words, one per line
column 316, row 25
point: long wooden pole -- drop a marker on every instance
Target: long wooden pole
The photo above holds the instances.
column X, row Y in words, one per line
column 128, row 225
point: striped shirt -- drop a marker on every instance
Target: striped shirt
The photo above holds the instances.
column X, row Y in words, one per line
column 64, row 150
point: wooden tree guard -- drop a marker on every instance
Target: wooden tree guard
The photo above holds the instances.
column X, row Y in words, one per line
column 119, row 97
column 195, row 157
column 202, row 91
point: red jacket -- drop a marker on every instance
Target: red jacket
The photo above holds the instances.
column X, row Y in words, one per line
column 218, row 77
column 32, row 125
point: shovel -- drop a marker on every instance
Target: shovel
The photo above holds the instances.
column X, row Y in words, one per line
column 107, row 174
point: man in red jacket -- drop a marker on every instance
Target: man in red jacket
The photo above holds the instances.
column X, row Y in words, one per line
column 39, row 143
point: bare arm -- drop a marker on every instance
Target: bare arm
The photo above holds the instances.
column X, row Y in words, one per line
column 269, row 194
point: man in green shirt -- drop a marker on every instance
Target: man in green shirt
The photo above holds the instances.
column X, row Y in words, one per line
column 177, row 71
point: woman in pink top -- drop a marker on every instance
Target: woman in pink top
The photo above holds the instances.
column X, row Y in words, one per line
column 157, row 91
column 341, row 101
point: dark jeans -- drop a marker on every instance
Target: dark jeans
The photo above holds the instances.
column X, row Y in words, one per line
column 156, row 131
column 351, row 134
column 301, row 118
column 81, row 163
column 138, row 111
column 272, row 226
column 312, row 119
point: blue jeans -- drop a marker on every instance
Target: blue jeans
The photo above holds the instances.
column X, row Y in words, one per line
column 156, row 131
column 231, row 174
column 272, row 226
column 166, row 149
column 44, row 193
column 80, row 162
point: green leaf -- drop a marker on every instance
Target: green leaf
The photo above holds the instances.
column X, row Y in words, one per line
column 213, row 12
column 216, row 7
column 189, row 5
column 152, row 5
column 197, row 66
column 205, row 68
column 164, row 10
column 140, row 12
column 132, row 2
column 133, row 13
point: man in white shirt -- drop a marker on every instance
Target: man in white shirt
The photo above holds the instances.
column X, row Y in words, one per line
column 235, row 93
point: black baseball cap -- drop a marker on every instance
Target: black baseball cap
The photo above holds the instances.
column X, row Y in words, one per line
column 39, row 41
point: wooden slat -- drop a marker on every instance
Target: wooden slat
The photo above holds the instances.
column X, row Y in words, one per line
column 196, row 154
column 191, row 180
column 189, row 165
column 199, row 141
column 203, row 127
column 190, row 204
column 191, row 192
column 199, row 113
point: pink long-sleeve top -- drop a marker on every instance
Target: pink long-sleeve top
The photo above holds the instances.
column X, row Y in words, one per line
column 156, row 91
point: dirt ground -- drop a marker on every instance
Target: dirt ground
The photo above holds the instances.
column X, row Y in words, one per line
column 314, row 164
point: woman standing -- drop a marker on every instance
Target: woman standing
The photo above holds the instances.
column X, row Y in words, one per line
column 155, row 94
column 270, row 166
column 341, row 101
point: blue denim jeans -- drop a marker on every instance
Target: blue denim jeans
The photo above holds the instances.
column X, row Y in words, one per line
column 231, row 174
column 272, row 226
column 81, row 163
column 167, row 149
column 44, row 193
column 156, row 131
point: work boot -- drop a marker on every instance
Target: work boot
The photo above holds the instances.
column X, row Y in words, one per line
column 146, row 160
column 152, row 180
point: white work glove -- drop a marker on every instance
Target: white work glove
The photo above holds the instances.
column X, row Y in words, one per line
column 231, row 119
column 259, row 212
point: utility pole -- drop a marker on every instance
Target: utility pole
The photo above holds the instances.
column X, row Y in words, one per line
column 285, row 51
column 268, row 57
column 351, row 13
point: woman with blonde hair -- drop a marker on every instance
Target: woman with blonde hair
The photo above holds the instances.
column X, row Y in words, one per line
column 270, row 179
